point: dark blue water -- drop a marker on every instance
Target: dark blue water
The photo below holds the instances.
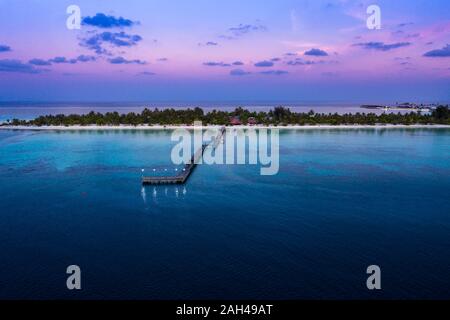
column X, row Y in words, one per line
column 343, row 200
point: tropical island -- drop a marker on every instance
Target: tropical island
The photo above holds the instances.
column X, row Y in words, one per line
column 279, row 116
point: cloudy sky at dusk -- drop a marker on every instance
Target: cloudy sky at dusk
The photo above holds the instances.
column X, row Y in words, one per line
column 173, row 50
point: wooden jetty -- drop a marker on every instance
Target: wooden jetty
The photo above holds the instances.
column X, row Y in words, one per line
column 182, row 177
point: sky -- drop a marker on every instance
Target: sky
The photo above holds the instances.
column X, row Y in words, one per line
column 233, row 50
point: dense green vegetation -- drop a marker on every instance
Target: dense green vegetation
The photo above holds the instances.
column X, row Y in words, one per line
column 278, row 116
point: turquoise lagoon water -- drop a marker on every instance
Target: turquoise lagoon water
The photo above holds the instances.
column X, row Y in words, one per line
column 343, row 200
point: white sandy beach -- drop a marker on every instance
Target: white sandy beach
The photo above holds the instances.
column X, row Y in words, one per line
column 173, row 127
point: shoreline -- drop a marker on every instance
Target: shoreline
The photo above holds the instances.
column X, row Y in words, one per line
column 174, row 127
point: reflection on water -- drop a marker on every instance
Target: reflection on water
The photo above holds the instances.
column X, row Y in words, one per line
column 144, row 194
column 163, row 191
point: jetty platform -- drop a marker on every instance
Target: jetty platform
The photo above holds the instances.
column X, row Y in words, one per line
column 188, row 168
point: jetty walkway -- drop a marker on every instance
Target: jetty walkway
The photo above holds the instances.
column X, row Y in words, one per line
column 188, row 168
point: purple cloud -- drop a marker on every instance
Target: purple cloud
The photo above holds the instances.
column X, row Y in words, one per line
column 241, row 30
column 439, row 53
column 84, row 58
column 101, row 20
column 316, row 53
column 264, row 64
column 239, row 72
column 116, row 39
column 4, row 48
column 381, row 46
column 40, row 62
column 216, row 64
column 122, row 60
column 301, row 62
column 17, row 66
column 62, row 60
column 405, row 24
column 274, row 72
column 208, row 44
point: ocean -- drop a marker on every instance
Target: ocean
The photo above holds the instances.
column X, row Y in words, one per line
column 342, row 200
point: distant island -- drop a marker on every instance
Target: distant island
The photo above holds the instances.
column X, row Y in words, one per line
column 279, row 116
column 403, row 106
